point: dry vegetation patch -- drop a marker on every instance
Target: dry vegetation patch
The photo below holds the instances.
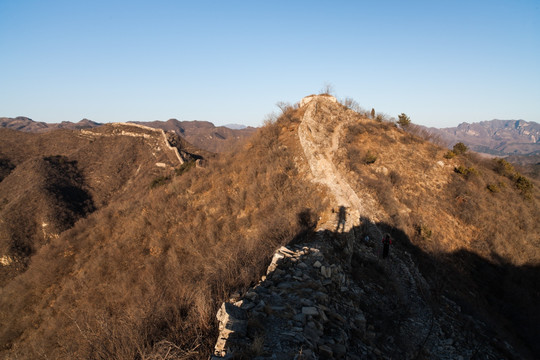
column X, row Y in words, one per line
column 144, row 274
column 141, row 273
column 458, row 199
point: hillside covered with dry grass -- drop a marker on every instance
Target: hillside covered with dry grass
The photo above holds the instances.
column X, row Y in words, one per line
column 149, row 270
column 51, row 180
column 142, row 274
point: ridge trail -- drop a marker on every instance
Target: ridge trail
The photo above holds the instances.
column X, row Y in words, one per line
column 320, row 152
column 319, row 302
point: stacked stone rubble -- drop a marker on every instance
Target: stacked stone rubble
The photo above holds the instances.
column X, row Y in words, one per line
column 312, row 305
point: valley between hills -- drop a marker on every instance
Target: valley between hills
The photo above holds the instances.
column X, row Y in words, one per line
column 123, row 241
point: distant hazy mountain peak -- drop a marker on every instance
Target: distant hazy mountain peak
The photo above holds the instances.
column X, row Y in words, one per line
column 235, row 126
column 495, row 137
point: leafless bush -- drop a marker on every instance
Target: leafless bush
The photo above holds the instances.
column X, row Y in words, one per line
column 327, row 89
column 426, row 135
column 353, row 105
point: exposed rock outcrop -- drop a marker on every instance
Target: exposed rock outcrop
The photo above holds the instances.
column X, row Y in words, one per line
column 311, row 305
column 334, row 297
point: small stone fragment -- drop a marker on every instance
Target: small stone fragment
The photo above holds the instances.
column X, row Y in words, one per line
column 326, row 272
column 310, row 310
column 311, row 334
column 251, row 295
column 323, row 316
column 300, row 318
column 339, row 350
column 325, row 352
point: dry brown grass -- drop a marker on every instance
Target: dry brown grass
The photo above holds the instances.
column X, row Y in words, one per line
column 155, row 268
column 452, row 200
column 143, row 276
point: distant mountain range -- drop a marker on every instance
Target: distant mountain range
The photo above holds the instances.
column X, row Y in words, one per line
column 22, row 123
column 202, row 134
column 235, row 126
column 494, row 137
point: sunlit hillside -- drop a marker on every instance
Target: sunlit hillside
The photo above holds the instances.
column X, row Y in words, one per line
column 142, row 262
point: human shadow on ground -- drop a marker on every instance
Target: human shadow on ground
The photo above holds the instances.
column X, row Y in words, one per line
column 502, row 295
column 496, row 301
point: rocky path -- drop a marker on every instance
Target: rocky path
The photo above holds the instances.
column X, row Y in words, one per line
column 320, row 151
column 320, row 156
column 323, row 300
column 302, row 307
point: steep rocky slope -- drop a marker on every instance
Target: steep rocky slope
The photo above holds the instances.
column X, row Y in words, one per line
column 334, row 297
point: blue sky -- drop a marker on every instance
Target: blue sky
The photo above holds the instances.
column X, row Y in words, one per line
column 441, row 62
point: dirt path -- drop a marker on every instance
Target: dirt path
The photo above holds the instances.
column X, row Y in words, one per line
column 315, row 302
column 320, row 150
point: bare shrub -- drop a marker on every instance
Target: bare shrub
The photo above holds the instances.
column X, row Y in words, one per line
column 159, row 181
column 149, row 273
column 353, row 105
column 449, row 155
column 356, row 129
column 370, row 158
column 524, row 185
column 426, row 135
column 503, row 167
column 460, row 148
column 395, row 178
column 327, row 89
column 467, row 172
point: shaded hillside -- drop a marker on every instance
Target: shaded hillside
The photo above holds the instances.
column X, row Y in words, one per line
column 50, row 189
column 51, row 180
column 144, row 275
column 204, row 134
column 495, row 137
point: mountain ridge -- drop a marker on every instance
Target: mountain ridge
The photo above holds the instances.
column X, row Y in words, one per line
column 144, row 275
column 68, row 174
column 202, row 134
column 494, row 137
column 303, row 323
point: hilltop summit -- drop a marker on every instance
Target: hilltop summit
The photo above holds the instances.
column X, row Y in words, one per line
column 282, row 240
column 307, row 99
column 331, row 295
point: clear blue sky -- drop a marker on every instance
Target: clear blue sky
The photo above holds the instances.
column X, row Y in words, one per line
column 441, row 62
